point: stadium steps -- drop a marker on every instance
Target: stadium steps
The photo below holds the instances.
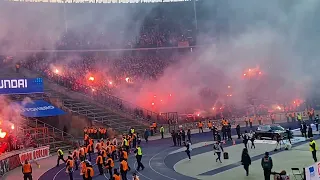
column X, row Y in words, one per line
column 89, row 107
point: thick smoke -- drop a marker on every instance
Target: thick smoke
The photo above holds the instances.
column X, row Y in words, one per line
column 278, row 37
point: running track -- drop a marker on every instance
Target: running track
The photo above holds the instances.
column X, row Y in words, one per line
column 157, row 161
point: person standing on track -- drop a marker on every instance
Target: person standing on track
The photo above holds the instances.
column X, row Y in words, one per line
column 313, row 148
column 138, row 152
column 89, row 172
column 99, row 162
column 162, row 131
column 27, row 170
column 116, row 175
column 75, row 156
column 69, row 167
column 267, row 164
column 245, row 139
column 189, row 135
column 188, row 150
column 110, row 165
column 60, row 157
column 246, row 160
column 217, row 150
column 124, row 168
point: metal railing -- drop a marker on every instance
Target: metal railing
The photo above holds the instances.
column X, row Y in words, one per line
column 54, row 132
column 115, row 103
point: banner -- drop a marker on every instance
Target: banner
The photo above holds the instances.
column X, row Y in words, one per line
column 38, row 108
column 9, row 163
column 21, row 86
column 313, row 172
column 35, row 154
column 183, row 44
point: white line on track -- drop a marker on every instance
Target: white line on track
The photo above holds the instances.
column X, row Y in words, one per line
column 154, row 169
column 134, row 166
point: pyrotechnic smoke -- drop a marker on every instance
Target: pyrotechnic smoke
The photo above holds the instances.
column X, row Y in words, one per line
column 279, row 37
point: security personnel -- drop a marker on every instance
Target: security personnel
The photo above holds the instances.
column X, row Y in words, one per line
column 138, row 152
column 125, row 144
column 89, row 172
column 110, row 165
column 266, row 163
column 132, row 130
column 75, row 156
column 299, row 118
column 103, row 154
column 27, row 170
column 69, row 167
column 124, row 155
column 200, row 126
column 99, row 162
column 250, row 122
column 83, row 170
column 116, row 175
column 161, row 131
column 313, row 148
column 82, row 154
column 246, row 121
column 154, row 125
column 90, row 148
column 124, row 168
column 209, row 124
column 60, row 156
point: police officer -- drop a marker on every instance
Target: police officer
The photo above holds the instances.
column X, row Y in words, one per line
column 138, row 152
column 27, row 170
column 313, row 149
column 75, row 156
column 60, row 157
column 266, row 163
column 116, row 175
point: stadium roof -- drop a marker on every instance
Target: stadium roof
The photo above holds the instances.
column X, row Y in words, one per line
column 101, row 1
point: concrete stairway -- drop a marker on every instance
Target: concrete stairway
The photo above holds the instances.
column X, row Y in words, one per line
column 52, row 136
column 90, row 107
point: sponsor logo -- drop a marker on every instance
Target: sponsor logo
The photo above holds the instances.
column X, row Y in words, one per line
column 13, row 84
column 43, row 108
column 311, row 171
column 36, row 154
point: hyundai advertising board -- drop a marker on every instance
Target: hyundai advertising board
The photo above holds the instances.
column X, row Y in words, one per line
column 21, row 86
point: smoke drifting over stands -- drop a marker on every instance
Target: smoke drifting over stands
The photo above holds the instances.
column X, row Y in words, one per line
column 238, row 53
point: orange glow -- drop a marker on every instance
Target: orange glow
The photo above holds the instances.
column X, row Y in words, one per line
column 127, row 79
column 249, row 70
column 170, row 95
column 198, row 115
column 91, row 78
column 2, row 134
column 154, row 96
column 244, row 74
column 213, row 108
column 56, row 71
column 220, row 108
column 12, row 126
column 294, row 102
column 229, row 87
column 260, row 72
column 110, row 82
column 152, row 104
column 161, row 100
column 92, row 90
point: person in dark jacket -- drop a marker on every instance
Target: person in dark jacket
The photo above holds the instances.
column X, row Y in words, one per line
column 179, row 138
column 189, row 135
column 146, row 135
column 316, row 122
column 245, row 160
column 188, row 150
column 174, row 137
column 310, row 134
column 238, row 131
column 183, row 135
column 267, row 164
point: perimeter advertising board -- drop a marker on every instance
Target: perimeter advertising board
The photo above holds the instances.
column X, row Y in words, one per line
column 21, row 86
column 313, row 172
